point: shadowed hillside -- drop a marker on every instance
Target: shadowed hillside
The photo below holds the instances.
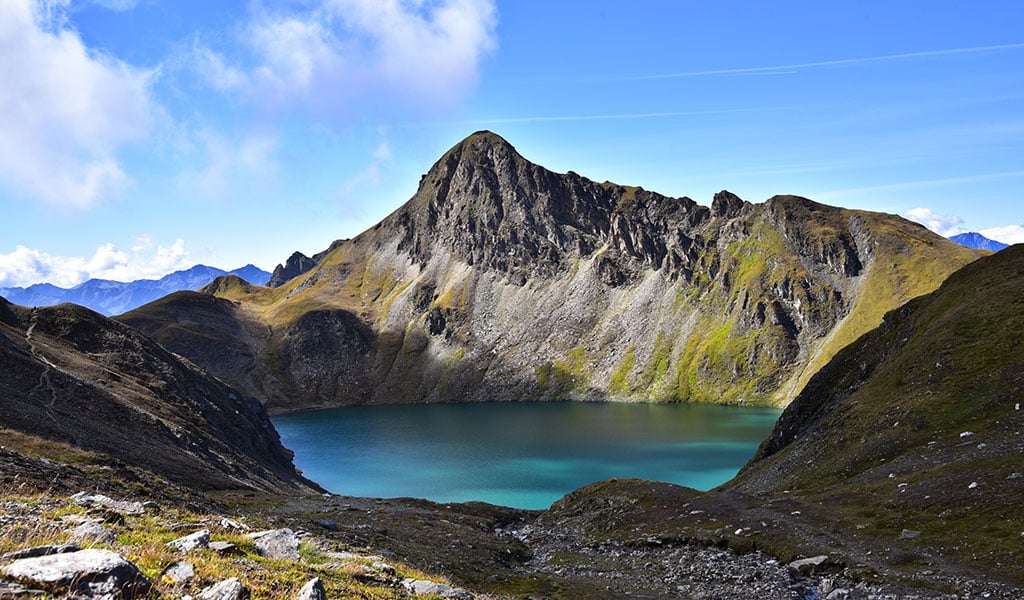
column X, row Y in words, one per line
column 74, row 378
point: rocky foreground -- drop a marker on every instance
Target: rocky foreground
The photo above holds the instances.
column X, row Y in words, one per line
column 90, row 545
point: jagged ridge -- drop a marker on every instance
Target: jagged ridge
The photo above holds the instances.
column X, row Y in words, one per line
column 502, row 280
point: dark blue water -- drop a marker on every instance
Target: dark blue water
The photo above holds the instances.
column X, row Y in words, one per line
column 525, row 455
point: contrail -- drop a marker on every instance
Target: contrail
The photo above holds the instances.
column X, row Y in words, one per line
column 778, row 69
column 927, row 183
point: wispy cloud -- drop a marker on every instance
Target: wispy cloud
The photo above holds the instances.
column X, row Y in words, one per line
column 226, row 162
column 842, row 62
column 336, row 56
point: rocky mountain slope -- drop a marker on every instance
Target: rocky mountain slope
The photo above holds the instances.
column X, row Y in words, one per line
column 502, row 280
column 74, row 381
column 900, row 460
column 115, row 297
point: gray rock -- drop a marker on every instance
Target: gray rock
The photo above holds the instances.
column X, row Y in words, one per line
column 91, row 532
column 327, row 524
column 9, row 589
column 86, row 572
column 232, row 525
column 229, row 589
column 807, row 565
column 909, row 534
column 313, row 590
column 192, row 541
column 41, row 551
column 119, row 506
column 281, row 544
column 179, row 572
column 223, row 547
column 420, row 587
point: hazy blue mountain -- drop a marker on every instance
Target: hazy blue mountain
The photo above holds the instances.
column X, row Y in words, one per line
column 978, row 242
column 114, row 297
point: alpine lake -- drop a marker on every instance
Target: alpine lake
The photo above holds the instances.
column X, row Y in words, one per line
column 524, row 454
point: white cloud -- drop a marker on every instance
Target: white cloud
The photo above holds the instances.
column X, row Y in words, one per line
column 227, row 161
column 1009, row 234
column 344, row 54
column 950, row 225
column 64, row 109
column 26, row 266
column 945, row 225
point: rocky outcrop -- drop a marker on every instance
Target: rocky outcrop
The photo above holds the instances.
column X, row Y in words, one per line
column 87, row 573
column 502, row 280
column 297, row 264
column 73, row 376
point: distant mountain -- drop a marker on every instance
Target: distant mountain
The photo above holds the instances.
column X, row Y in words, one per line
column 502, row 280
column 978, row 242
column 114, row 297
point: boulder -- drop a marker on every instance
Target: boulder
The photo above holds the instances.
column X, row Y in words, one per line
column 229, row 589
column 420, row 587
column 119, row 506
column 313, row 590
column 88, row 572
column 91, row 532
column 223, row 548
column 807, row 565
column 41, row 551
column 281, row 544
column 192, row 541
column 179, row 572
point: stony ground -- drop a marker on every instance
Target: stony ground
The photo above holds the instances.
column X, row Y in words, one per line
column 624, row 539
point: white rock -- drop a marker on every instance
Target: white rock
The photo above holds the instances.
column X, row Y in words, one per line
column 420, row 587
column 281, row 544
column 313, row 590
column 88, row 572
column 192, row 541
column 91, row 532
column 179, row 572
column 229, row 589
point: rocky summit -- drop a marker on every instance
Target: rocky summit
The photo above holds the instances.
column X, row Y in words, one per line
column 502, row 280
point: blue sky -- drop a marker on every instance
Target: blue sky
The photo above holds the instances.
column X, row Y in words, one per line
column 138, row 137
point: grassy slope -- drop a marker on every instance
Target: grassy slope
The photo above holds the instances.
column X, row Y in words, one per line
column 879, row 435
column 875, row 445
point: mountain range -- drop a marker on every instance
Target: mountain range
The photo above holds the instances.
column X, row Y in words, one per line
column 894, row 471
column 501, row 280
column 114, row 297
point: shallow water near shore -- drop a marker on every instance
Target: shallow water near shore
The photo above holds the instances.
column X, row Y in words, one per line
column 524, row 455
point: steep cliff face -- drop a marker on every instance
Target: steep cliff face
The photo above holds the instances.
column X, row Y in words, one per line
column 73, row 376
column 501, row 280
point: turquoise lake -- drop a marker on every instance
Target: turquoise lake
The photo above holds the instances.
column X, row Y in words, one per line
column 525, row 455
